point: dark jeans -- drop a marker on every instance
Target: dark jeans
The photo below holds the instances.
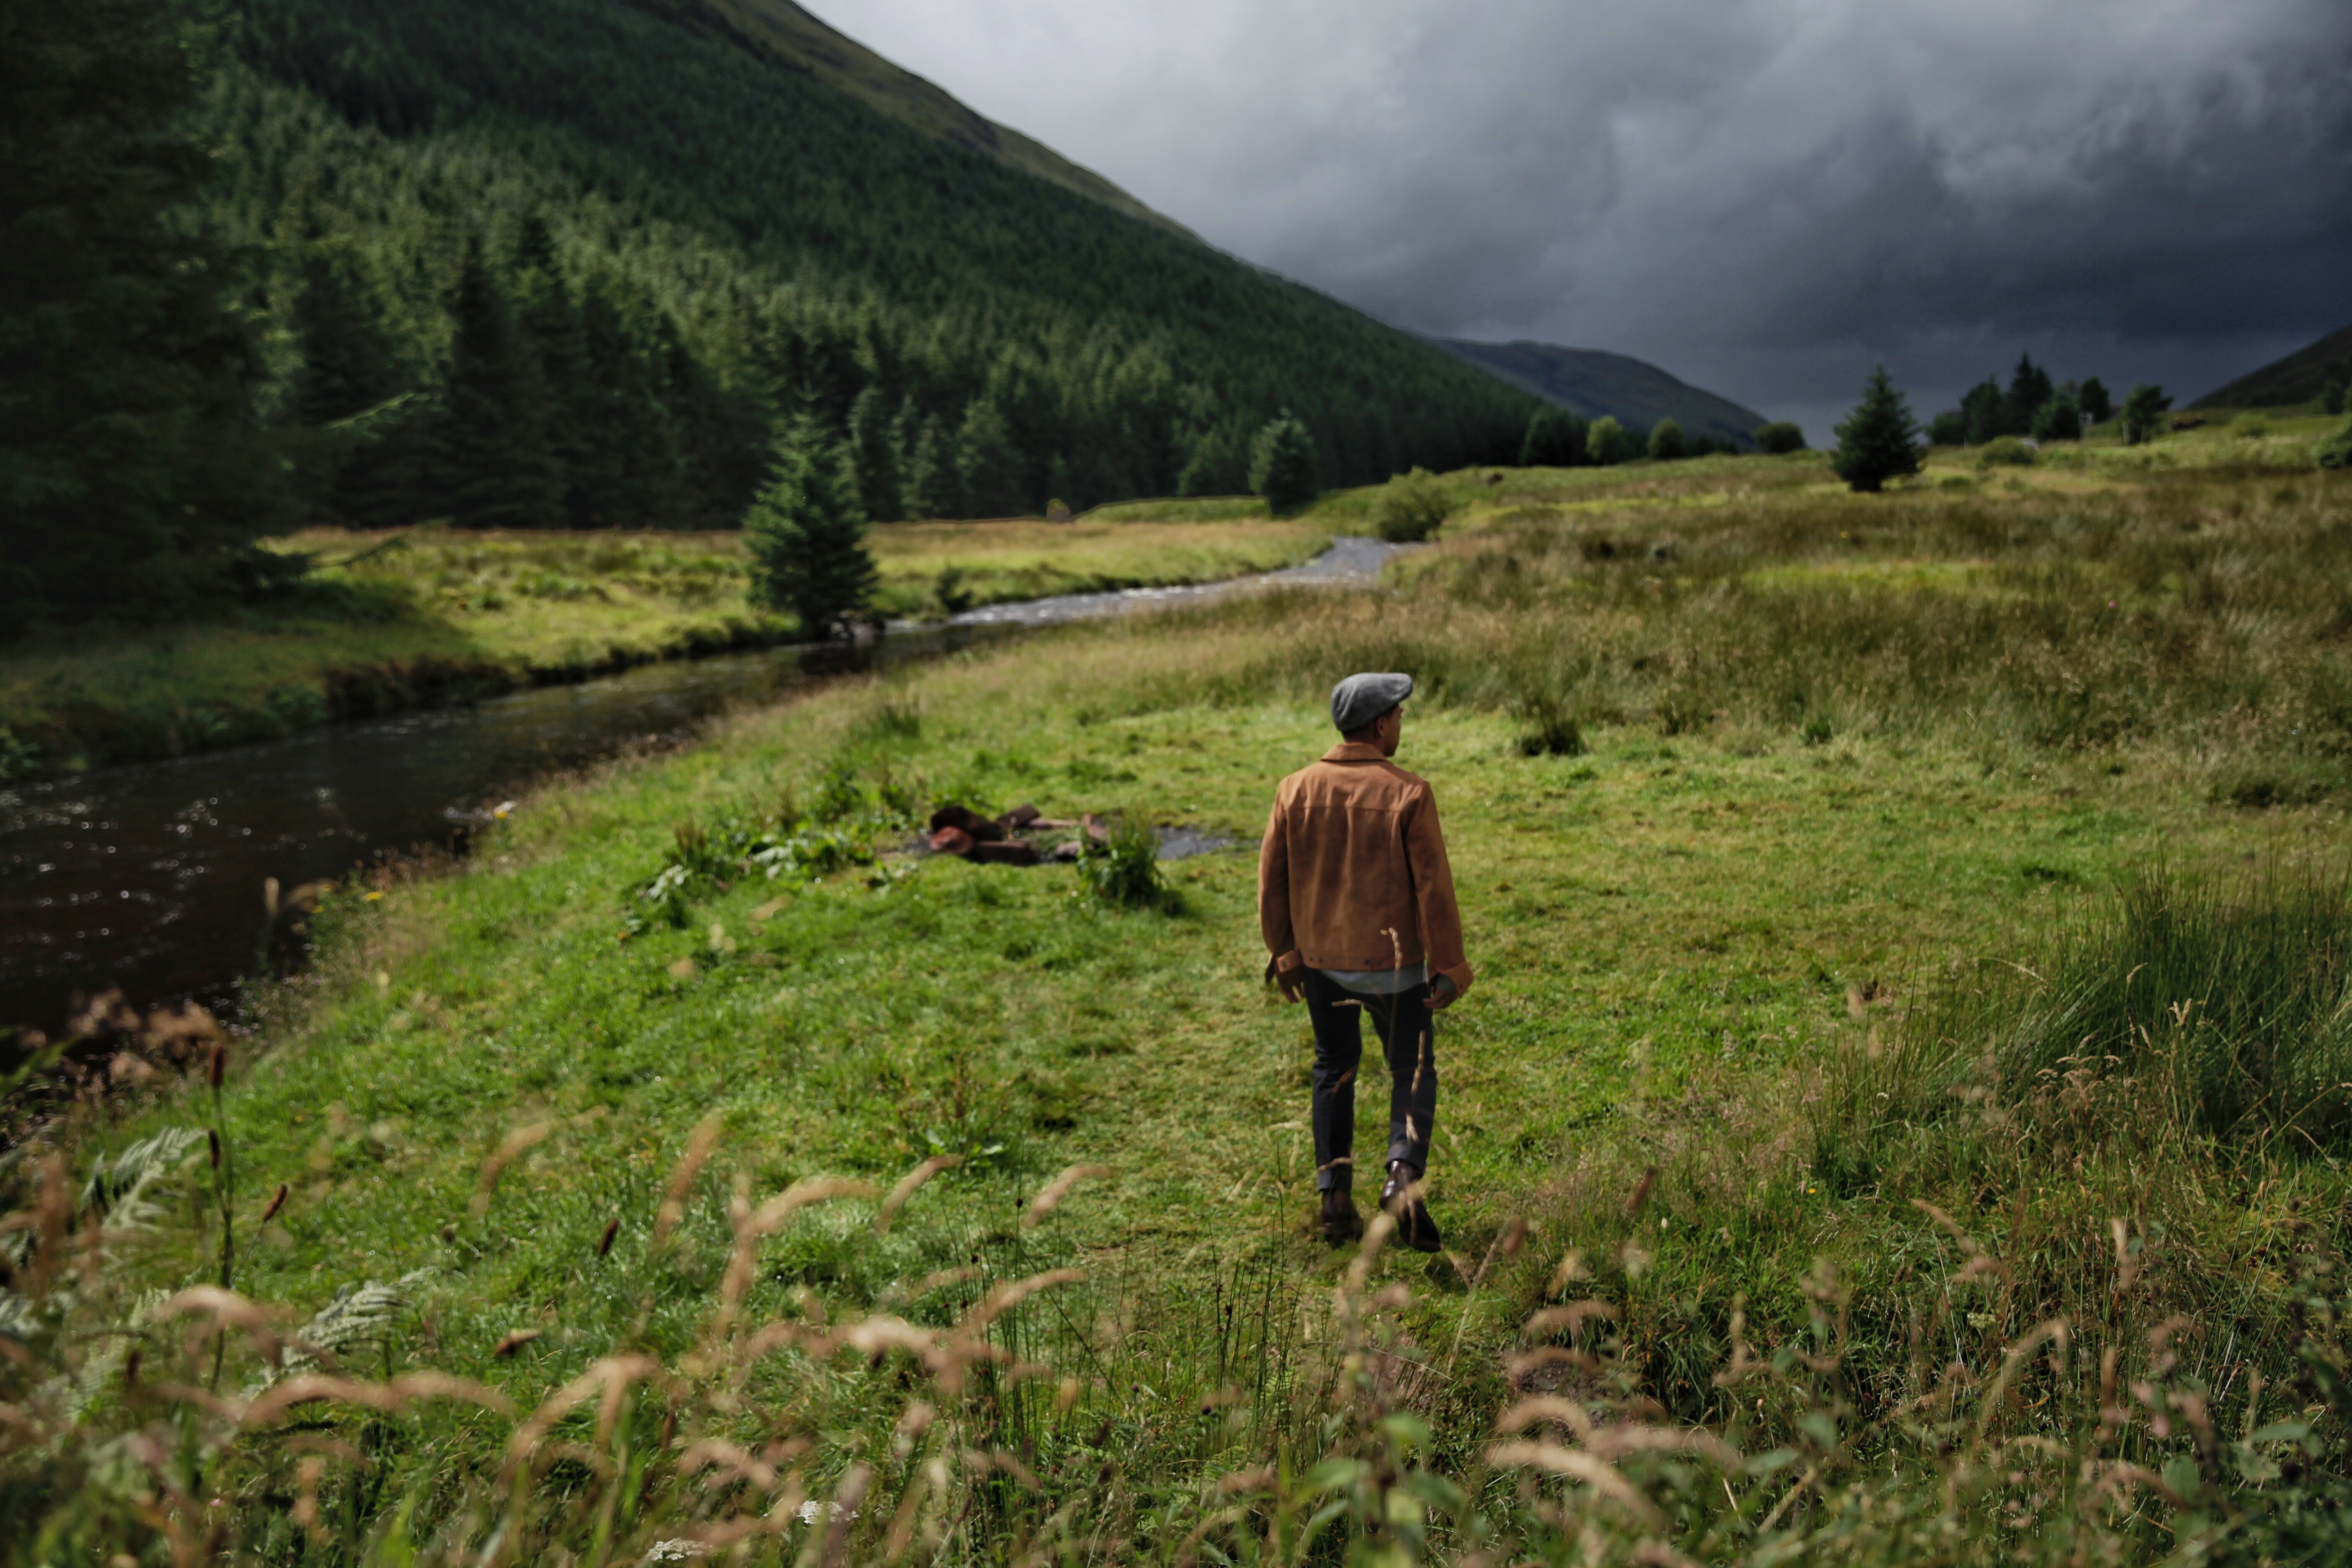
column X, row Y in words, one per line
column 1408, row 1035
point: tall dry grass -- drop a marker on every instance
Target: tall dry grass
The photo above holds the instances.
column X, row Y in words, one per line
column 2201, row 613
column 976, row 1417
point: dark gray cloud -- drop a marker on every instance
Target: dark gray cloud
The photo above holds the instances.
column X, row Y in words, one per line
column 1763, row 196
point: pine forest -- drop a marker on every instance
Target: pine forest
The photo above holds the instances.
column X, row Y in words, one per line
column 557, row 262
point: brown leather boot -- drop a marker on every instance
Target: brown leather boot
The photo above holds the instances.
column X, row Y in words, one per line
column 1341, row 1223
column 1415, row 1227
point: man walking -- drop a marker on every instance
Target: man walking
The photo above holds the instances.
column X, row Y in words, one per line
column 1356, row 901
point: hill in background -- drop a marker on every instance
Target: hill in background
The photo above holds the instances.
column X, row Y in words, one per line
column 783, row 34
column 558, row 261
column 1591, row 383
column 2298, row 378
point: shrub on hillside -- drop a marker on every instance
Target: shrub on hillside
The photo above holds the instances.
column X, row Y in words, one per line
column 2335, row 452
column 1606, row 443
column 2005, row 451
column 1667, row 441
column 1879, row 440
column 1551, row 728
column 1779, row 439
column 1409, row 508
column 2251, row 425
column 1282, row 464
column 1949, row 428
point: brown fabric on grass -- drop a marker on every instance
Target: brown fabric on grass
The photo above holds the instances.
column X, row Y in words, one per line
column 1353, row 852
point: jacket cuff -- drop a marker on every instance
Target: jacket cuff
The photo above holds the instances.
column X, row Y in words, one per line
column 1460, row 975
column 1284, row 962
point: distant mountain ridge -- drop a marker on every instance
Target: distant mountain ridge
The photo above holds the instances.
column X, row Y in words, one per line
column 1591, row 383
column 2297, row 378
column 778, row 32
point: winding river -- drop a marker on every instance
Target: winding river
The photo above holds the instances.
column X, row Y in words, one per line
column 151, row 878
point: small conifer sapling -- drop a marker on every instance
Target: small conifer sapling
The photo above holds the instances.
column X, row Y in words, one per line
column 806, row 534
column 1282, row 464
column 1879, row 440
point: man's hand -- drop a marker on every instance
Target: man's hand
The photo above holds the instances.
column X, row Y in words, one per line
column 1441, row 993
column 1290, row 981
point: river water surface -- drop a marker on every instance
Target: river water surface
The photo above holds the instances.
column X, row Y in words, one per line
column 150, row 878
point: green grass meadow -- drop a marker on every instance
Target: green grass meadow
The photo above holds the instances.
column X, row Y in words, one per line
column 413, row 618
column 1788, row 1215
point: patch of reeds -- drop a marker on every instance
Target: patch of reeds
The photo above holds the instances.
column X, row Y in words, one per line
column 2219, row 1008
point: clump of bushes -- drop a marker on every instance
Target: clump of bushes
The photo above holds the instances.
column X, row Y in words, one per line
column 1123, row 870
column 1779, row 439
column 1551, row 728
column 841, row 828
column 2335, row 452
column 2005, row 452
column 1411, row 507
column 1606, row 443
column 1666, row 444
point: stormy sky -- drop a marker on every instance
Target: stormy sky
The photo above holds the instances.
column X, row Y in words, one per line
column 1761, row 196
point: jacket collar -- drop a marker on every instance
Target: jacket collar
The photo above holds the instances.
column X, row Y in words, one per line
column 1354, row 751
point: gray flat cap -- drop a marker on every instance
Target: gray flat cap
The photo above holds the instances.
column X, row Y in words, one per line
column 1360, row 698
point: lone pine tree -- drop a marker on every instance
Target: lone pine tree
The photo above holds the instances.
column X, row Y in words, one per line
column 1879, row 440
column 1282, row 464
column 2143, row 413
column 806, row 532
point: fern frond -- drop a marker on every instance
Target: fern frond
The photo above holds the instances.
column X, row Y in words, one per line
column 124, row 1183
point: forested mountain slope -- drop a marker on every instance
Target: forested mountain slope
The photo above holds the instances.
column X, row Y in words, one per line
column 1593, row 382
column 568, row 260
column 782, row 32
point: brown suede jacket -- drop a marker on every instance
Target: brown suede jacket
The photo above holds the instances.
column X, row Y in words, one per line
column 1353, row 872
